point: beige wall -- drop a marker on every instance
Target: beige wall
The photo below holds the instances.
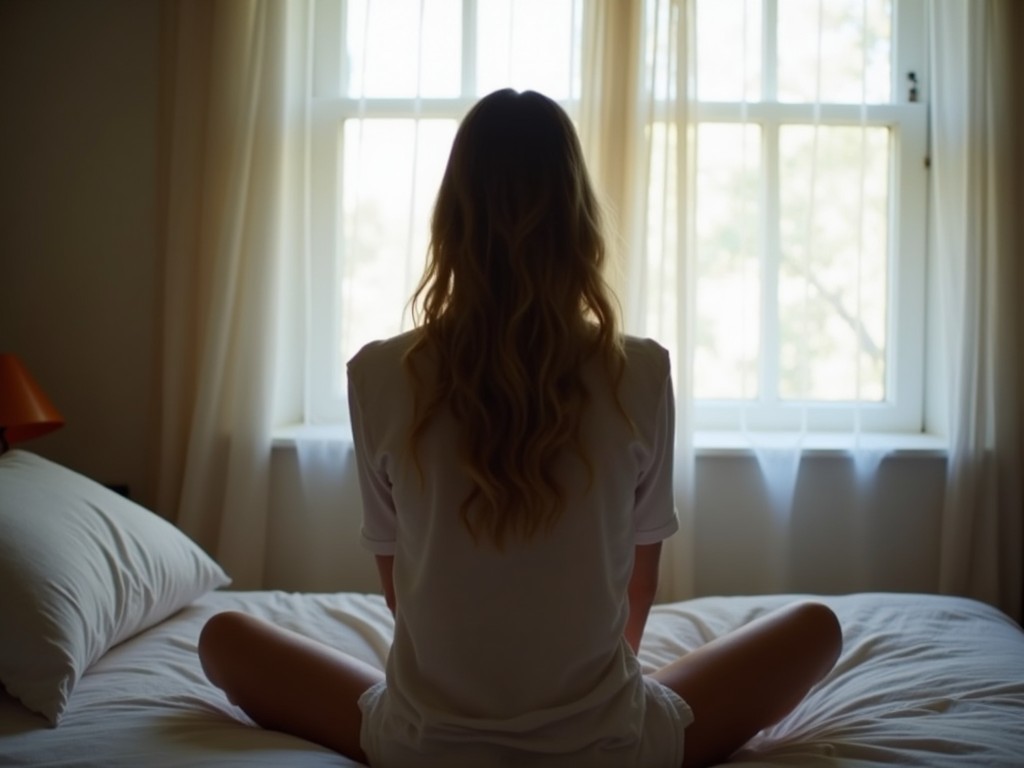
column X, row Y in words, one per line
column 78, row 226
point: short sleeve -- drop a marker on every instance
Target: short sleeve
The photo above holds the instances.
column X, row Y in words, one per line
column 379, row 529
column 654, row 511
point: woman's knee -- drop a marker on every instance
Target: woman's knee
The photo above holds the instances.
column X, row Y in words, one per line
column 219, row 639
column 820, row 630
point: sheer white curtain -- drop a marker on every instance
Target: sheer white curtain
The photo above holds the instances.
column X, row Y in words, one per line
column 825, row 176
column 659, row 206
column 233, row 118
column 977, row 173
column 636, row 132
column 831, row 182
column 661, row 265
column 765, row 159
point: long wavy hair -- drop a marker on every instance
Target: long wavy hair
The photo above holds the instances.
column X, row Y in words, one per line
column 511, row 305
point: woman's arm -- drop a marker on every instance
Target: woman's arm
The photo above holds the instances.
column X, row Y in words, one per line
column 642, row 586
column 385, row 567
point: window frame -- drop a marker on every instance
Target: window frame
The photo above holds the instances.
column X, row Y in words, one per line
column 902, row 410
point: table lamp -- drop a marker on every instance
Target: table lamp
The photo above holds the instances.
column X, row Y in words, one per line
column 25, row 411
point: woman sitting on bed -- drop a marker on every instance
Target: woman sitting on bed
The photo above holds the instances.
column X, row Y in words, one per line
column 515, row 462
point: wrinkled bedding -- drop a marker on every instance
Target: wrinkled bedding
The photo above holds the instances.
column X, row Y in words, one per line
column 922, row 680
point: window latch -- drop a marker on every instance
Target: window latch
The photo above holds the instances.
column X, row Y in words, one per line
column 912, row 87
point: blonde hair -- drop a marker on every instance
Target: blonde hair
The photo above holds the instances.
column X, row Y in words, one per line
column 511, row 306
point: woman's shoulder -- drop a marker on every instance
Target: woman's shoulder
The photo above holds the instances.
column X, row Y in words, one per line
column 646, row 354
column 646, row 374
column 377, row 376
column 384, row 353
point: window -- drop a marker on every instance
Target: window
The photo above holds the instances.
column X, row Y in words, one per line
column 808, row 188
column 392, row 78
column 809, row 214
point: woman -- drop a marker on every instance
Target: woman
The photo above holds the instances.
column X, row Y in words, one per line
column 515, row 463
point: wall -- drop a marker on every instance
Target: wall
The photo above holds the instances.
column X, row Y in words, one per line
column 80, row 302
column 78, row 225
column 837, row 538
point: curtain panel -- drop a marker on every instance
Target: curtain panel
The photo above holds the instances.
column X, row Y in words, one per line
column 977, row 177
column 232, row 111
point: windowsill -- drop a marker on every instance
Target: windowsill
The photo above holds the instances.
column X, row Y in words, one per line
column 706, row 443
column 288, row 436
column 711, row 443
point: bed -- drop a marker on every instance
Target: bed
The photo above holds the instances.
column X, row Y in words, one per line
column 102, row 603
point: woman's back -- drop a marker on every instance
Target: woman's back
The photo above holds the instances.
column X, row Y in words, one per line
column 524, row 646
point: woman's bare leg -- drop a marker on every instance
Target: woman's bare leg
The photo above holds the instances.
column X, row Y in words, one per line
column 287, row 682
column 752, row 678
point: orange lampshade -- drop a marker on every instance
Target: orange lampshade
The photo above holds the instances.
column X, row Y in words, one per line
column 25, row 411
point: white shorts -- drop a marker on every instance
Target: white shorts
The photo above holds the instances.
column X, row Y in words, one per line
column 391, row 743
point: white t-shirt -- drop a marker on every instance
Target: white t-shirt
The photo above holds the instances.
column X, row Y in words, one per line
column 501, row 658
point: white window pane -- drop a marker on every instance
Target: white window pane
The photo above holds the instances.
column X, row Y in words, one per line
column 728, row 69
column 728, row 220
column 391, row 170
column 833, row 282
column 529, row 45
column 855, row 46
column 389, row 58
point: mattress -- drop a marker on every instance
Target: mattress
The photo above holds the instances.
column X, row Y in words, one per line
column 922, row 680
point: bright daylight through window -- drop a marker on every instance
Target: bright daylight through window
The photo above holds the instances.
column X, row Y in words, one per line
column 809, row 214
column 809, row 187
column 392, row 80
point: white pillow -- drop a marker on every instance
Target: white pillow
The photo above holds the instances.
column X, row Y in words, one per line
column 81, row 569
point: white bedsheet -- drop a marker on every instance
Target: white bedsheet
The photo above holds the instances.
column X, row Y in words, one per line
column 922, row 680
